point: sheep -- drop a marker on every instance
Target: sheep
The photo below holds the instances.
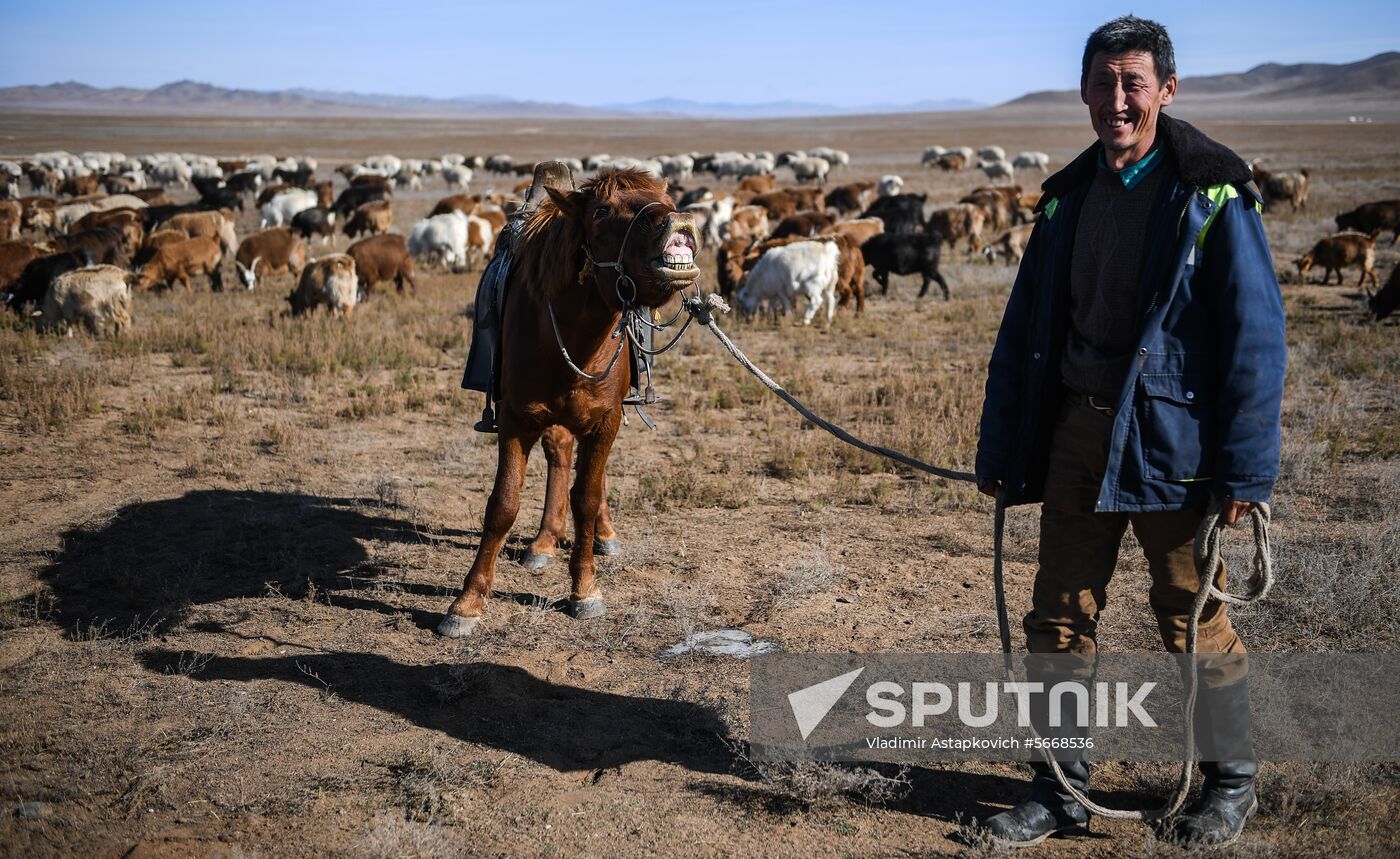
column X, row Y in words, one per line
column 457, row 176
column 809, row 168
column 808, row 268
column 992, row 153
column 834, row 157
column 94, row 296
column 998, row 169
column 280, row 210
column 330, row 280
column 679, row 167
column 931, row 155
column 1026, row 160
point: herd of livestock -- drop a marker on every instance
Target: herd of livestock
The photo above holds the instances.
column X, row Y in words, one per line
column 90, row 229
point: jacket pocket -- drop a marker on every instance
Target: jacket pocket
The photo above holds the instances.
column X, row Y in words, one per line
column 1177, row 426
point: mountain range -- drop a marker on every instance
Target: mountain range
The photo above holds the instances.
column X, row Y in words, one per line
column 1369, row 83
column 1365, row 83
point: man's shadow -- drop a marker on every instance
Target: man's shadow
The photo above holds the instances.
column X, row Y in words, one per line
column 151, row 562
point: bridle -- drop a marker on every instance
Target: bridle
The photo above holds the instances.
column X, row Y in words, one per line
column 629, row 320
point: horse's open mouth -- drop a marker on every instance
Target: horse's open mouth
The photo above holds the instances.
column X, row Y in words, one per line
column 677, row 259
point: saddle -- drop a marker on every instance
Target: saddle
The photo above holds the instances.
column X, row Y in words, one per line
column 484, row 355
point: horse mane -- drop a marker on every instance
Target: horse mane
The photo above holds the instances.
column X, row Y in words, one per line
column 549, row 258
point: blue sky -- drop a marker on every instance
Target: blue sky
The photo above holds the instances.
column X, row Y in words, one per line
column 846, row 53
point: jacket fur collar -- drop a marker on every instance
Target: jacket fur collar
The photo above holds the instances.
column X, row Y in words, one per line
column 1198, row 160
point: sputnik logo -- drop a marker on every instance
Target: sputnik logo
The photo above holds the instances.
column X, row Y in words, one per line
column 810, row 705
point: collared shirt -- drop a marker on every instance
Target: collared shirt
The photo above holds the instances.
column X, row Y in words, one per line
column 1134, row 173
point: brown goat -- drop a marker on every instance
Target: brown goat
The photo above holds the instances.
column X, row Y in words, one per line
column 759, row 184
column 952, row 162
column 963, row 221
column 11, row 216
column 1280, row 187
column 850, row 278
column 860, row 229
column 380, row 258
column 274, row 250
column 1340, row 251
column 126, row 220
column 14, row 256
column 749, row 222
column 729, row 265
column 210, row 225
column 79, row 186
column 329, row 280
column 374, row 217
column 1011, row 244
column 464, row 203
column 805, row 224
column 850, row 198
column 778, row 204
column 153, row 243
column 178, row 261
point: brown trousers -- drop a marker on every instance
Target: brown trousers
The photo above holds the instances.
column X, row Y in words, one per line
column 1079, row 549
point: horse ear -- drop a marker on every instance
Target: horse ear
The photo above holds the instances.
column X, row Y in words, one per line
column 571, row 203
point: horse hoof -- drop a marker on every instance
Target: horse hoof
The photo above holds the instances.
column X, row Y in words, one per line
column 607, row 547
column 456, row 626
column 536, row 561
column 587, row 608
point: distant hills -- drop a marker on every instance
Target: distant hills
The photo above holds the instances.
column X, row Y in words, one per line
column 1367, row 84
column 780, row 109
column 193, row 97
column 1372, row 84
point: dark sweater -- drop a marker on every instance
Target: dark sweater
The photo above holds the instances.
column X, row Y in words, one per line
column 1105, row 271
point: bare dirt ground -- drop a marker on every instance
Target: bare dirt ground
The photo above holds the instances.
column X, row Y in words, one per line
column 225, row 540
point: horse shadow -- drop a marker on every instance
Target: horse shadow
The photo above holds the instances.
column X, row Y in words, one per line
column 566, row 728
column 147, row 565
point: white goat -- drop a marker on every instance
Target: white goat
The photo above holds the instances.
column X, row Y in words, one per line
column 784, row 273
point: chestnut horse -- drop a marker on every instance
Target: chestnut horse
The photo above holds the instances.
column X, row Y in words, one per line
column 584, row 260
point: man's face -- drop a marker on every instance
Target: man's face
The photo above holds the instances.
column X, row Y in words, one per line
column 1124, row 98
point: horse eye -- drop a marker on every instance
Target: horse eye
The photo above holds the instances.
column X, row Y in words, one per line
column 600, row 213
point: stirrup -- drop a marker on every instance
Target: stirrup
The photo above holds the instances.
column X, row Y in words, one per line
column 636, row 398
column 487, row 424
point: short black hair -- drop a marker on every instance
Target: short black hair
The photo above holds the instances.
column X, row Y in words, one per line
column 1126, row 35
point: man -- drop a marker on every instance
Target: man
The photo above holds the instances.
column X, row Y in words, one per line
column 1138, row 371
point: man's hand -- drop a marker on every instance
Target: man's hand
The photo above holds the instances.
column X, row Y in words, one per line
column 1233, row 511
column 989, row 487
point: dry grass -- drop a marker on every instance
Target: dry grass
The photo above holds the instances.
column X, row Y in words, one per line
column 300, row 656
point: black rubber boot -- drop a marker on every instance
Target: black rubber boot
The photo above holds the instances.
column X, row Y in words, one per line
column 1227, row 799
column 1047, row 810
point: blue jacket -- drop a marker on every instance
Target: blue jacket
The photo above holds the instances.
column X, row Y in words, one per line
column 1198, row 413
